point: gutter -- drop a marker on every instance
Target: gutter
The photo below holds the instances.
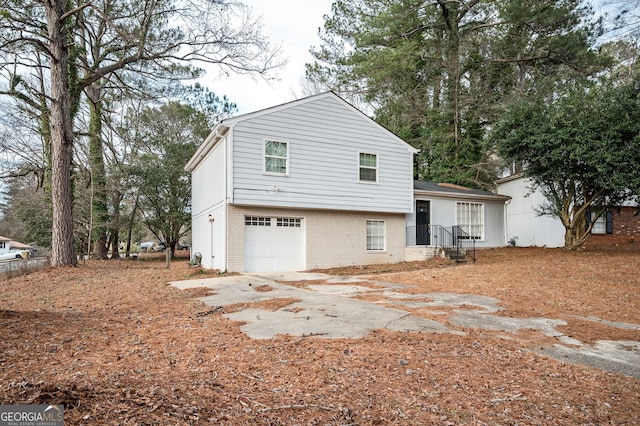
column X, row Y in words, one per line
column 452, row 195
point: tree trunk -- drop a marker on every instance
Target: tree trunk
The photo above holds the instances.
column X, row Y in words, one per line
column 114, row 229
column 62, row 249
column 99, row 208
column 576, row 233
column 114, row 243
column 131, row 223
column 570, row 239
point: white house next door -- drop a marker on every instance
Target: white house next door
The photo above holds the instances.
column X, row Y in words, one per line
column 274, row 244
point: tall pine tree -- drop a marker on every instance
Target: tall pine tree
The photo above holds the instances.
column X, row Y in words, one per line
column 437, row 73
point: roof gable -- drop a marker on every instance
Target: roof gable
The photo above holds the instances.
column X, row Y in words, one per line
column 224, row 126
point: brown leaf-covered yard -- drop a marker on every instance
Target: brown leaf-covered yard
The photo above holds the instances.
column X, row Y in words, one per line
column 117, row 345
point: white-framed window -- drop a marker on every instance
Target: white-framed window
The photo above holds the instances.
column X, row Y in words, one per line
column 603, row 224
column 599, row 226
column 288, row 222
column 276, row 157
column 2, row 245
column 257, row 221
column 376, row 235
column 368, row 167
column 470, row 217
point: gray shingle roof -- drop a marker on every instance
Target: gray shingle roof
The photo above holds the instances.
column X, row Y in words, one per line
column 449, row 188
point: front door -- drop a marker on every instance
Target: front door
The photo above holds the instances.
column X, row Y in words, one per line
column 422, row 223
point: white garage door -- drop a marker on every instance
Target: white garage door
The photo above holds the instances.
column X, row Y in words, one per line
column 274, row 244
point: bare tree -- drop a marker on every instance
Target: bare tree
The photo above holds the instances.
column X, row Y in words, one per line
column 151, row 37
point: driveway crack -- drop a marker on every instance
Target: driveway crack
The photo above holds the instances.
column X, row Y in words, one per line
column 397, row 319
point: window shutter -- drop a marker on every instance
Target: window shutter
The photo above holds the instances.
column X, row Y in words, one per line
column 588, row 222
column 609, row 222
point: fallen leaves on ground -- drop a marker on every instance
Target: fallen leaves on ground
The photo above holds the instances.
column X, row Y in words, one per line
column 114, row 343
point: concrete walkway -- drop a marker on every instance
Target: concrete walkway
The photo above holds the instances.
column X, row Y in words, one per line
column 326, row 308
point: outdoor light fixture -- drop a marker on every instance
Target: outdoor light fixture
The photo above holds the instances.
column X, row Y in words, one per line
column 211, row 219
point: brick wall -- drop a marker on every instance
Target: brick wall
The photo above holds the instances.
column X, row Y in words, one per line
column 626, row 232
column 333, row 238
column 626, row 221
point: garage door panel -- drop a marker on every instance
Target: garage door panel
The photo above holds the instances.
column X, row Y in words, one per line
column 274, row 244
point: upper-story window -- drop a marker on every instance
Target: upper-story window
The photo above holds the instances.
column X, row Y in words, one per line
column 2, row 245
column 368, row 167
column 276, row 157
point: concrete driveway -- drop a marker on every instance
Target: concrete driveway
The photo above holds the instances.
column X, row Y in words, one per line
column 326, row 308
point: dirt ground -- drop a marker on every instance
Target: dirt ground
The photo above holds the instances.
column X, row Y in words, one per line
column 117, row 345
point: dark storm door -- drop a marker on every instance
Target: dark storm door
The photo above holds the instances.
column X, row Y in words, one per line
column 422, row 223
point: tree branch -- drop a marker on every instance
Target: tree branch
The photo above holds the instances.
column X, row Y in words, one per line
column 74, row 11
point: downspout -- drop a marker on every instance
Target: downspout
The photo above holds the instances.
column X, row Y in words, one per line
column 506, row 238
column 211, row 237
column 229, row 182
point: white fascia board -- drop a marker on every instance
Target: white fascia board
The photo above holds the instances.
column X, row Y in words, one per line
column 211, row 141
column 510, row 178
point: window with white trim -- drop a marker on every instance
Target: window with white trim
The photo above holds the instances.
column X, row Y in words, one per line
column 257, row 221
column 603, row 224
column 2, row 245
column 276, row 157
column 376, row 235
column 368, row 167
column 470, row 218
column 599, row 226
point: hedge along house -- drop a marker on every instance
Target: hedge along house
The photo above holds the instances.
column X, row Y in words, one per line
column 312, row 183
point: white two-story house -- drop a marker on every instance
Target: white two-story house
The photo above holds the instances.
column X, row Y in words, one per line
column 314, row 183
column 309, row 184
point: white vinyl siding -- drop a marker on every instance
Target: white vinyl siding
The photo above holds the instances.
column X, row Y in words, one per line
column 276, row 157
column 368, row 167
column 521, row 218
column 209, row 188
column 324, row 139
column 376, row 235
column 470, row 217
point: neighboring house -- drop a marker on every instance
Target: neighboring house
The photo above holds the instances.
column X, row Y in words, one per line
column 15, row 245
column 314, row 183
column 526, row 228
column 8, row 245
column 4, row 244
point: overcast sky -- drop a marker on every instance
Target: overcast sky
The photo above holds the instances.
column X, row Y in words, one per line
column 295, row 24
